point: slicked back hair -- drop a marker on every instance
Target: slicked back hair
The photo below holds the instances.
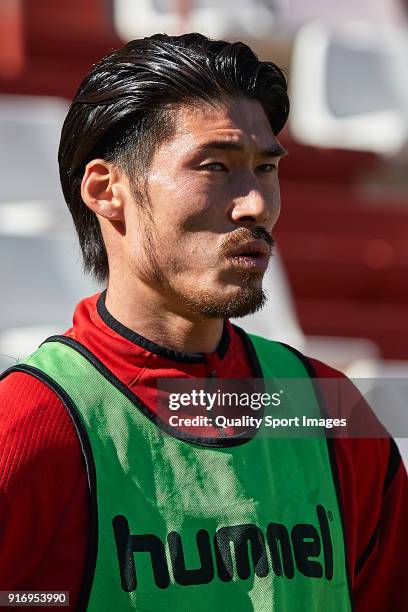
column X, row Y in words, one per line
column 122, row 111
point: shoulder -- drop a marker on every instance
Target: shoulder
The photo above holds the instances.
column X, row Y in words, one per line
column 28, row 401
column 371, row 478
column 366, row 460
column 43, row 487
column 368, row 452
column 35, row 428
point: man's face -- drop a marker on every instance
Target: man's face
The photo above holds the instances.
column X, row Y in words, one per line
column 203, row 240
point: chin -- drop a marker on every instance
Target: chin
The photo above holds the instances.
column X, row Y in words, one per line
column 246, row 301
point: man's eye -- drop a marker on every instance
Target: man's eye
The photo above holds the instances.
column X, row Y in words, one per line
column 217, row 166
column 267, row 167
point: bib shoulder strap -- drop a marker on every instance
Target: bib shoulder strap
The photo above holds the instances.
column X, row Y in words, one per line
column 275, row 359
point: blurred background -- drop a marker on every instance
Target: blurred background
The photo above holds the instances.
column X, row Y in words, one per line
column 338, row 285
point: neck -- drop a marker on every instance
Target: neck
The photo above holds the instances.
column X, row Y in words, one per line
column 150, row 315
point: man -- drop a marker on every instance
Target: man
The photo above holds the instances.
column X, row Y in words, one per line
column 168, row 162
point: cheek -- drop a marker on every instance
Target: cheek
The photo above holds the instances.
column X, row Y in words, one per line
column 183, row 199
column 188, row 217
column 275, row 203
column 184, row 246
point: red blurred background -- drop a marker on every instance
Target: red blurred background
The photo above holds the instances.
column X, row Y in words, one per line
column 343, row 241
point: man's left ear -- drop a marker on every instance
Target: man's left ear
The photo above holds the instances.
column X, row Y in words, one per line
column 103, row 189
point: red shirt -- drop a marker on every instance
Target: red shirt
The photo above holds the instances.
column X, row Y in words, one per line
column 44, row 505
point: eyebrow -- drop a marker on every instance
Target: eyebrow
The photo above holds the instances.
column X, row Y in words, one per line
column 275, row 150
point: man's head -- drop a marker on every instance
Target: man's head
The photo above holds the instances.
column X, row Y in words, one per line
column 167, row 163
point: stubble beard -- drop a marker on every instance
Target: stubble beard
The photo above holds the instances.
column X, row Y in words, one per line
column 247, row 300
column 202, row 304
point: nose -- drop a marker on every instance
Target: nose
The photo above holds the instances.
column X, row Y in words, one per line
column 256, row 207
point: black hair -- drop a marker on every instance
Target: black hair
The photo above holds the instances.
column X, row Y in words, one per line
column 122, row 111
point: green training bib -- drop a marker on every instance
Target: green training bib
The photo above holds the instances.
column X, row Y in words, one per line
column 180, row 526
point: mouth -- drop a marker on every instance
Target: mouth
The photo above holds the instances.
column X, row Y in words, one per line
column 252, row 256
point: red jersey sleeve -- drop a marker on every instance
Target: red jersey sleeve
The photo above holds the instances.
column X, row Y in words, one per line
column 43, row 491
column 373, row 491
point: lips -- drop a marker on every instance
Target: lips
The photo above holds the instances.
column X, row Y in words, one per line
column 256, row 249
column 251, row 255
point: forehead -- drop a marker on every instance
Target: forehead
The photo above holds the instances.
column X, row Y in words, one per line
column 242, row 120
